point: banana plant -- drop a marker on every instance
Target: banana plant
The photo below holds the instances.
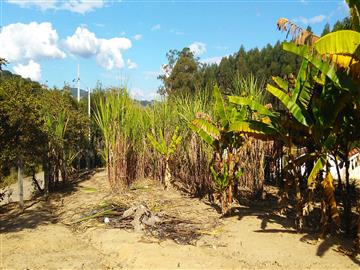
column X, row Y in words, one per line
column 166, row 151
column 318, row 107
column 216, row 132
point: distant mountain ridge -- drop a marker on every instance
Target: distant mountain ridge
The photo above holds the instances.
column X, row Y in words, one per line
column 73, row 92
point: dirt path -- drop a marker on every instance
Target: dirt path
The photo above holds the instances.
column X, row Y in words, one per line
column 40, row 237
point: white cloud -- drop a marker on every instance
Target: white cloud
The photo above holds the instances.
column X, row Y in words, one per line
column 198, row 48
column 344, row 6
column 137, row 37
column 137, row 93
column 101, row 25
column 43, row 5
column 30, row 70
column 176, row 32
column 108, row 52
column 82, row 42
column 312, row 20
column 212, row 60
column 151, row 74
column 221, row 47
column 140, row 94
column 131, row 64
column 77, row 6
column 156, row 27
column 34, row 41
column 82, row 6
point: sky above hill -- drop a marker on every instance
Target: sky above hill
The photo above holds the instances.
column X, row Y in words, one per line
column 125, row 42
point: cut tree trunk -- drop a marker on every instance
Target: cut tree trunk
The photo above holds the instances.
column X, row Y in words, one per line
column 46, row 168
column 21, row 183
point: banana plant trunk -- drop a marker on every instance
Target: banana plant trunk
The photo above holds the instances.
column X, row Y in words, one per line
column 357, row 243
column 167, row 176
column 347, row 202
column 231, row 176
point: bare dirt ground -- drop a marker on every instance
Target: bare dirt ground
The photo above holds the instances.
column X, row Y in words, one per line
column 44, row 236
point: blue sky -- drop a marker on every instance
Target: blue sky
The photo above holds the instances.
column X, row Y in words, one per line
column 119, row 42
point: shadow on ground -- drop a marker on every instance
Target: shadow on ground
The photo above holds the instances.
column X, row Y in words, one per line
column 268, row 211
column 39, row 210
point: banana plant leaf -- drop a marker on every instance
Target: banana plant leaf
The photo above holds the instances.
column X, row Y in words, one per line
column 344, row 42
column 318, row 166
column 253, row 105
column 290, row 104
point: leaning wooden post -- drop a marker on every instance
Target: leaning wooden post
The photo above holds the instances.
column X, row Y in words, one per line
column 21, row 182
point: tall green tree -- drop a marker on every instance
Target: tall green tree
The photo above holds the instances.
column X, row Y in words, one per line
column 181, row 73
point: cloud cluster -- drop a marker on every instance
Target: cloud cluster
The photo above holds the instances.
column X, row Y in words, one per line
column 197, row 48
column 83, row 43
column 131, row 64
column 30, row 70
column 18, row 42
column 140, row 94
column 77, row 6
column 137, row 37
column 156, row 27
column 19, row 46
column 313, row 20
column 212, row 60
column 108, row 52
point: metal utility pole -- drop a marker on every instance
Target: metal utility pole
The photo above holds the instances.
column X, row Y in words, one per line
column 89, row 109
column 89, row 154
column 89, row 103
column 78, row 83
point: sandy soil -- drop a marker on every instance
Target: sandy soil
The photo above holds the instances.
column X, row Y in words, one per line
column 41, row 238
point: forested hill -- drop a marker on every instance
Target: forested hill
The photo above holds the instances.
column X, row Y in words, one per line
column 262, row 63
column 187, row 75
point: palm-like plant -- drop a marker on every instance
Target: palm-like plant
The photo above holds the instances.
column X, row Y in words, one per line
column 56, row 129
column 166, row 151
